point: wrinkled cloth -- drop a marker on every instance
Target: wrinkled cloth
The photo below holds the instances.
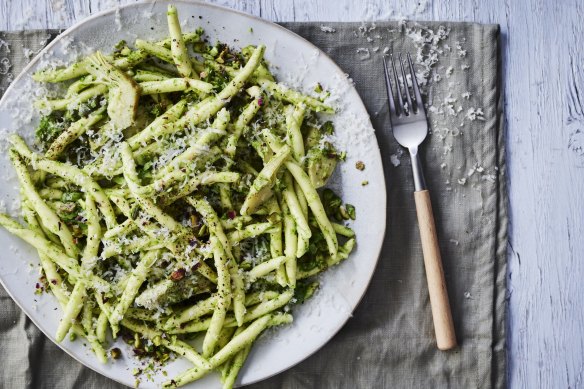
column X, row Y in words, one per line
column 389, row 341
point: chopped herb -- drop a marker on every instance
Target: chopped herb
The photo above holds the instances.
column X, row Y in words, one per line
column 71, row 196
column 360, row 165
column 328, row 128
column 120, row 45
column 304, row 290
column 331, row 202
column 49, row 129
column 156, row 109
column 218, row 79
column 334, row 207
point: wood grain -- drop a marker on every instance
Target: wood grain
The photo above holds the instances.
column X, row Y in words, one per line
column 443, row 325
column 544, row 93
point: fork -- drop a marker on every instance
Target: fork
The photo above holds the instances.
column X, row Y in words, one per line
column 410, row 127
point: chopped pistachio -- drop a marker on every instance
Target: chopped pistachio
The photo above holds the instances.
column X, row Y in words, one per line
column 178, row 274
column 115, row 353
column 350, row 211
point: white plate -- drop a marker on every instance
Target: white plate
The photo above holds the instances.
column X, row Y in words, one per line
column 294, row 60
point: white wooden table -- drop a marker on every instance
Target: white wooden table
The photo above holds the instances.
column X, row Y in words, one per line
column 543, row 51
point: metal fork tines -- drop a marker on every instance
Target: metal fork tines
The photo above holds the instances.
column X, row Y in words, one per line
column 408, row 118
column 410, row 127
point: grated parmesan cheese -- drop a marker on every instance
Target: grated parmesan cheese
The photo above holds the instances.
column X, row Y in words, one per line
column 475, row 114
column 363, row 53
column 395, row 157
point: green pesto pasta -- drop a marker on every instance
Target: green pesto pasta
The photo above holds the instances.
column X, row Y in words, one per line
column 173, row 191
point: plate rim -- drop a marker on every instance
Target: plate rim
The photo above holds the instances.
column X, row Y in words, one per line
column 77, row 25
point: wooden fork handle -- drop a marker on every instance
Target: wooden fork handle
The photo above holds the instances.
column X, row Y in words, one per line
column 443, row 325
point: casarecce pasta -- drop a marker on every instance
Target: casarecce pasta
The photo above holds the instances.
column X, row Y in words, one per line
column 176, row 189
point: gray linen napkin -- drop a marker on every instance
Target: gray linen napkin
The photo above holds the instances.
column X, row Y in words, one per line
column 389, row 341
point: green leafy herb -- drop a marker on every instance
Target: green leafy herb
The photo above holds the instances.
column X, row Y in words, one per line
column 71, row 196
column 304, row 290
column 328, row 128
column 49, row 129
column 334, row 207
